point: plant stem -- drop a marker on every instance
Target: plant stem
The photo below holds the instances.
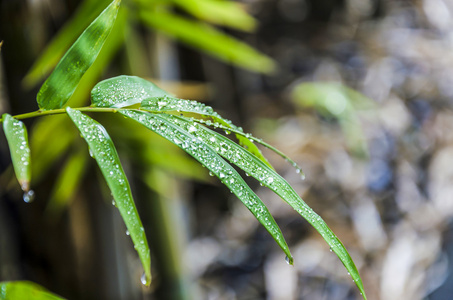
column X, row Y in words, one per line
column 40, row 113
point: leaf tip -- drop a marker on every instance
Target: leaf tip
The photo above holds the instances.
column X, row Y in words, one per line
column 289, row 260
column 146, row 278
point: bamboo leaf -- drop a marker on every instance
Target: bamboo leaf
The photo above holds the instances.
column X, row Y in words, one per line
column 166, row 103
column 68, row 182
column 17, row 137
column 217, row 166
column 209, row 39
column 123, row 91
column 104, row 152
column 226, row 13
column 86, row 13
column 61, row 84
column 11, row 290
column 269, row 178
column 50, row 138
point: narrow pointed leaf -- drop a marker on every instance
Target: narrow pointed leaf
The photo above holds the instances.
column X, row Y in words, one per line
column 226, row 13
column 123, row 91
column 11, row 290
column 251, row 139
column 166, row 103
column 269, row 178
column 17, row 137
column 61, row 84
column 213, row 162
column 50, row 138
column 67, row 183
column 104, row 152
column 209, row 40
column 86, row 12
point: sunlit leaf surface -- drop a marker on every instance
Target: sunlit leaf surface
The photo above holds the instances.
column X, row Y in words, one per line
column 61, row 84
column 226, row 13
column 104, row 152
column 215, row 164
column 26, row 290
column 123, row 91
column 16, row 135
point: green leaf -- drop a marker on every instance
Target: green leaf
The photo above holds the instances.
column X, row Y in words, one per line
column 50, row 138
column 68, row 182
column 104, row 152
column 162, row 104
column 210, row 40
column 61, row 84
column 269, row 178
column 16, row 135
column 123, row 91
column 86, row 13
column 213, row 162
column 13, row 290
column 226, row 13
column 337, row 101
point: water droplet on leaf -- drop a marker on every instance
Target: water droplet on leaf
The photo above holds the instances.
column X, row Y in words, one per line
column 29, row 196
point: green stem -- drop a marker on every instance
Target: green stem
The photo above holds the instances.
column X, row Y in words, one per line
column 40, row 113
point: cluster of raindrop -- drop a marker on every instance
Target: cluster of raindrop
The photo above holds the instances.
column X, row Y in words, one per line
column 16, row 133
column 239, row 133
column 178, row 132
column 103, row 151
column 123, row 91
column 167, row 103
column 29, row 196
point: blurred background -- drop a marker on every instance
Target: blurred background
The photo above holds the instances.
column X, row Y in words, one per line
column 358, row 92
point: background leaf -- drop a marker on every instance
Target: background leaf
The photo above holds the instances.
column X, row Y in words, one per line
column 16, row 134
column 210, row 40
column 104, row 152
column 61, row 84
column 226, row 13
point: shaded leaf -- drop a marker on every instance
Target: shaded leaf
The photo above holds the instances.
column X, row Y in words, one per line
column 61, row 84
column 50, row 138
column 269, row 178
column 67, row 182
column 210, row 40
column 86, row 13
column 123, row 91
column 17, row 137
column 14, row 290
column 104, row 152
column 213, row 162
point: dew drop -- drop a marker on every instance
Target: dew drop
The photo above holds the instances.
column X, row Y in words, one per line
column 143, row 279
column 113, row 202
column 127, row 232
column 29, row 196
column 289, row 260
